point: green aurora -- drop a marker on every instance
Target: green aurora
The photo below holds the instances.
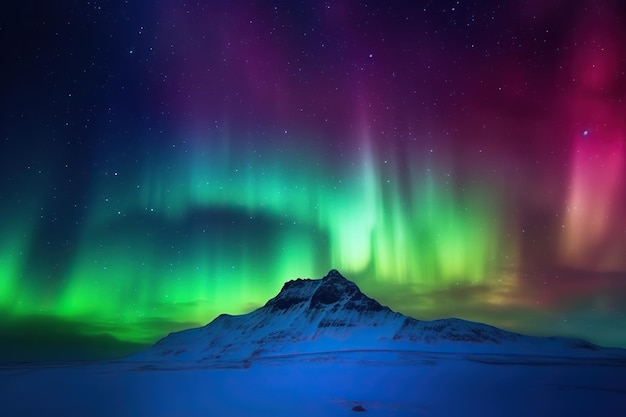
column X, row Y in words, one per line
column 166, row 163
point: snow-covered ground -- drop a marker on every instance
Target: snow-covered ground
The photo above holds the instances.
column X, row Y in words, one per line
column 383, row 383
column 323, row 348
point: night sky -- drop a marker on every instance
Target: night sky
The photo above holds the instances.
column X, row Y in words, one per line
column 166, row 161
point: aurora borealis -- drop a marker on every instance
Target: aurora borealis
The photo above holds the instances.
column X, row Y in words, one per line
column 164, row 162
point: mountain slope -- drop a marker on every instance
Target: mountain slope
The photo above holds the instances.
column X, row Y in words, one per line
column 332, row 314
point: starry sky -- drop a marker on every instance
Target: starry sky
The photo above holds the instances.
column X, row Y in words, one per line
column 167, row 161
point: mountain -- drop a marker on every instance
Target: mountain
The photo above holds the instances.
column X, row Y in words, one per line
column 332, row 314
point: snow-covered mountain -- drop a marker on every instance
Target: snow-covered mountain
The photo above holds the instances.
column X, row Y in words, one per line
column 332, row 314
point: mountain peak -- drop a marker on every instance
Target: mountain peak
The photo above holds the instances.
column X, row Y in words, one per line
column 333, row 288
column 332, row 314
column 333, row 274
column 315, row 294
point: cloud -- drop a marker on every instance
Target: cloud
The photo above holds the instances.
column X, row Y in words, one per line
column 578, row 304
column 47, row 338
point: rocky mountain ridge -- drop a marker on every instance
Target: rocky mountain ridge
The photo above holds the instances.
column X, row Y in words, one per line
column 332, row 314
